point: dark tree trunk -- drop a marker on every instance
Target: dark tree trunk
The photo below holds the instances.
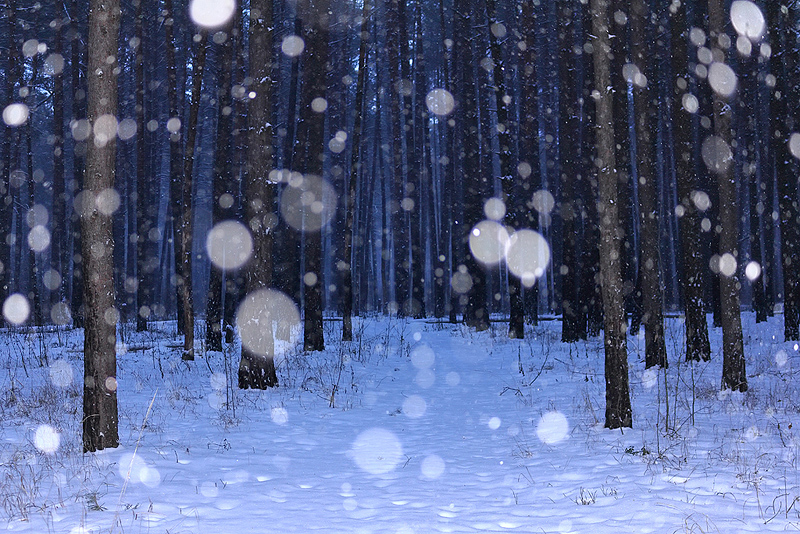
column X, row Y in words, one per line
column 257, row 371
column 733, row 365
column 352, row 180
column 184, row 235
column 618, row 402
column 650, row 257
column 223, row 204
column 314, row 15
column 697, row 344
column 100, row 419
column 784, row 62
column 144, row 199
column 572, row 327
column 59, row 222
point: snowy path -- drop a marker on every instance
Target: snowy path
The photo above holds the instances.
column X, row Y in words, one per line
column 442, row 435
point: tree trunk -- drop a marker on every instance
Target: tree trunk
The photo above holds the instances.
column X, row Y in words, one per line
column 733, row 365
column 100, row 419
column 650, row 257
column 783, row 63
column 352, row 179
column 684, row 103
column 185, row 225
column 258, row 370
column 618, row 402
column 143, row 198
column 314, row 15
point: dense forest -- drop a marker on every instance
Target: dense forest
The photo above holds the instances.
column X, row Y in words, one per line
column 606, row 162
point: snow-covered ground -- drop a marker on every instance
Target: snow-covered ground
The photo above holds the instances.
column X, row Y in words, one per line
column 417, row 427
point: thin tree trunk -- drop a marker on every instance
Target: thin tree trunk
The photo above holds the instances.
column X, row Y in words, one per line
column 352, row 178
column 143, row 198
column 618, row 403
column 185, row 227
column 650, row 256
column 100, row 419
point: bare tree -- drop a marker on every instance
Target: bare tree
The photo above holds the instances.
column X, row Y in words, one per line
column 100, row 418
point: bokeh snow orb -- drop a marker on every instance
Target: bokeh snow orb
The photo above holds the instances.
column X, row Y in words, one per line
column 432, row 467
column 134, row 468
column 440, row 102
column 552, row 428
column 211, row 14
column 752, row 271
column 414, row 407
column 47, row 439
column 259, row 313
column 527, row 256
column 650, row 378
column 422, row 356
column 229, row 245
column 60, row 314
column 494, row 209
column 543, row 201
column 15, row 114
column 722, row 79
column 308, row 203
column 717, row 154
column 425, row 378
column 690, row 103
column 781, row 358
column 279, row 415
column 61, row 373
column 16, row 309
column 105, row 129
column 39, row 238
column 494, row 423
column 292, row 45
column 377, row 451
column 488, row 241
column 794, row 145
column 747, row 19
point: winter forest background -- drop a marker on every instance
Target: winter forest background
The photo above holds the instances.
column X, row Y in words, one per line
column 249, row 173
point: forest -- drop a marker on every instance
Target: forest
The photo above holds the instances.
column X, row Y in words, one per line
column 250, row 173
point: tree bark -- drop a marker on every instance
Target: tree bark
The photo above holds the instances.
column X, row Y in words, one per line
column 697, row 344
column 100, row 418
column 314, row 15
column 733, row 364
column 258, row 370
column 618, row 403
column 652, row 287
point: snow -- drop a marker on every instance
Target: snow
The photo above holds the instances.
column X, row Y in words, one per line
column 498, row 435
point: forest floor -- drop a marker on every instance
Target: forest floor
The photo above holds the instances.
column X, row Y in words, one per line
column 416, row 427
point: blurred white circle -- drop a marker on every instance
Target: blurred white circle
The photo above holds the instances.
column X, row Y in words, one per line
column 61, row 373
column 39, row 238
column 47, row 439
column 377, row 451
column 752, row 271
column 293, row 45
column 722, row 79
column 414, row 407
column 794, row 145
column 440, row 102
column 552, row 428
column 432, row 467
column 15, row 114
column 543, row 201
column 494, row 209
column 262, row 312
column 422, row 356
column 716, row 154
column 308, row 203
column 16, row 309
column 229, row 245
column 528, row 256
column 747, row 19
column 211, row 14
column 488, row 241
